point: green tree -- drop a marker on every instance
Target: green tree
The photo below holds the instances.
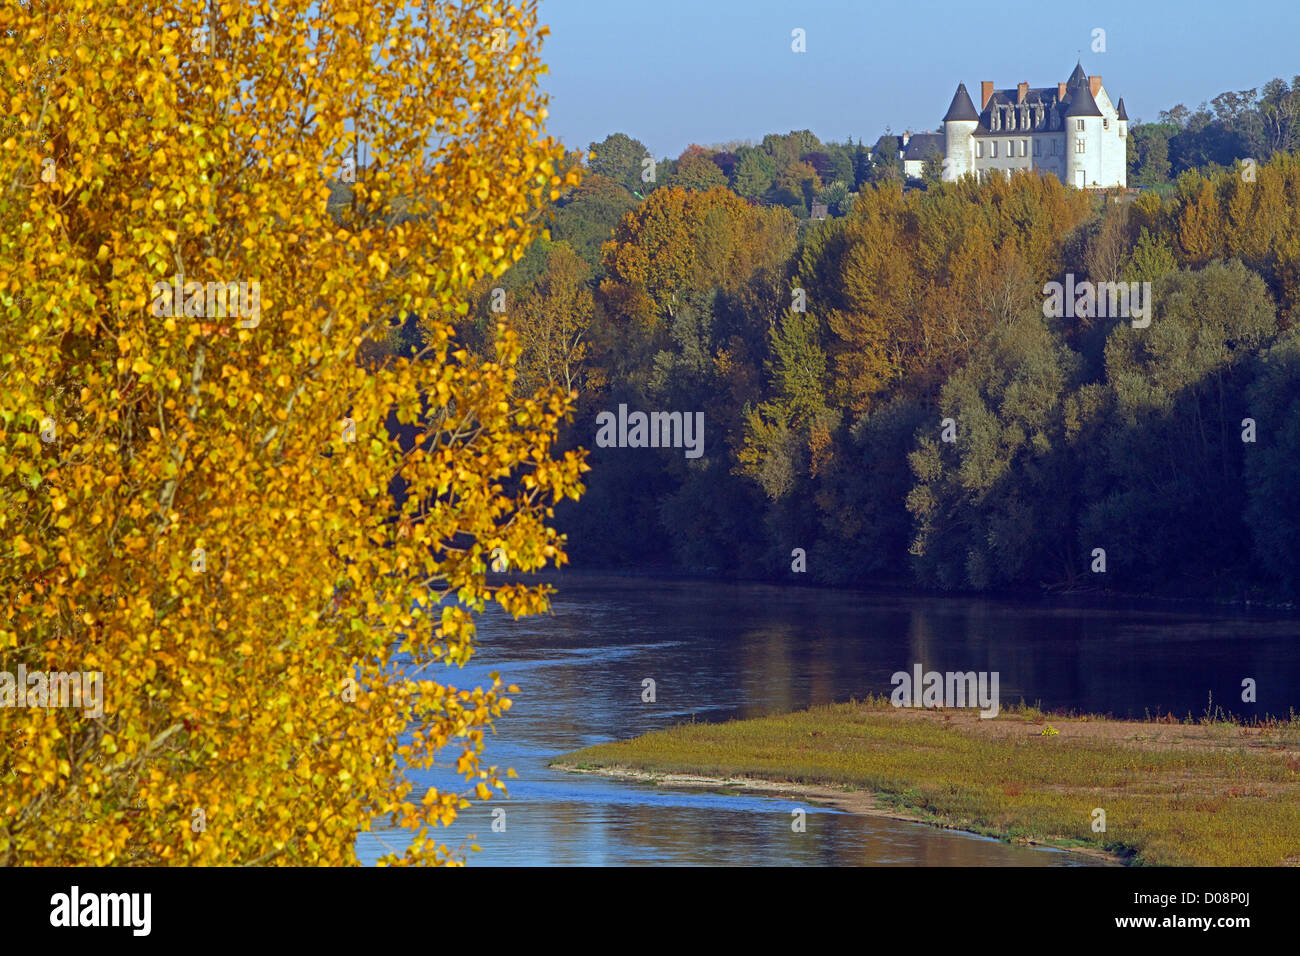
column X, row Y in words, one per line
column 585, row 217
column 781, row 434
column 622, row 159
column 932, row 167
column 1151, row 259
column 1165, row 461
column 836, row 197
column 862, row 500
column 1272, row 479
column 786, row 148
column 886, row 165
column 796, row 187
column 1151, row 144
column 841, row 165
column 754, row 174
column 992, row 508
column 696, row 171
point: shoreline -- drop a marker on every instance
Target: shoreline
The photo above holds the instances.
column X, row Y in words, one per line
column 1066, row 598
column 863, row 803
column 1155, row 792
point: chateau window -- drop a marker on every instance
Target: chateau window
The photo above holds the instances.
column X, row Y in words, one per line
column 1024, row 147
column 1038, row 151
column 1078, row 145
column 1105, row 124
column 1078, row 124
column 994, row 149
column 979, row 150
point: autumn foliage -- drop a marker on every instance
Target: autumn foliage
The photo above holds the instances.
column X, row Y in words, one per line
column 883, row 391
column 199, row 506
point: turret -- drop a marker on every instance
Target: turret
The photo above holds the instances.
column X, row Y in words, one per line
column 958, row 125
column 1082, row 122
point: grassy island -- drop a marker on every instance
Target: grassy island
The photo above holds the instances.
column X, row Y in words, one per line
column 1205, row 791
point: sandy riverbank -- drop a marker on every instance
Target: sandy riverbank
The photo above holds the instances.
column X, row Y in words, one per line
column 1155, row 792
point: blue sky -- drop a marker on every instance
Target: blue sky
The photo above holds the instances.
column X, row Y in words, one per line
column 675, row 72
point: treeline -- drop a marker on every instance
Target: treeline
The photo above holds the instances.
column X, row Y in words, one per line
column 826, row 362
column 1253, row 124
column 794, row 169
column 830, row 359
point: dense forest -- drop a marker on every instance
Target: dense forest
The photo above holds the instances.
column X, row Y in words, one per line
column 883, row 396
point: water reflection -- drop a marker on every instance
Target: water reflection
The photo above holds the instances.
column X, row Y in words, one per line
column 718, row 651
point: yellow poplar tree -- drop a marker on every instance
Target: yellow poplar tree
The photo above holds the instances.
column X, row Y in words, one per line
column 198, row 492
column 553, row 320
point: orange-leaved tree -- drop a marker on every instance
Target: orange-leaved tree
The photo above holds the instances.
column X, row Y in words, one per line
column 198, row 469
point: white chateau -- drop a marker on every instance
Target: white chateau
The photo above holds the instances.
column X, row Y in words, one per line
column 1071, row 130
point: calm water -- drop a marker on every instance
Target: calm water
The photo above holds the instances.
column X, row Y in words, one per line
column 718, row 651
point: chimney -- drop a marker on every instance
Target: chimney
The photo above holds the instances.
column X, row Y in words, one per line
column 906, row 137
column 1094, row 84
column 1060, row 91
column 1022, row 90
column 986, row 90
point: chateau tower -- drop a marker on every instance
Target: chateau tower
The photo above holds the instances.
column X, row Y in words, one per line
column 958, row 125
column 1070, row 130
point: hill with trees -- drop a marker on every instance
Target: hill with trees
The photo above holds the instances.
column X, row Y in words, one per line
column 828, row 355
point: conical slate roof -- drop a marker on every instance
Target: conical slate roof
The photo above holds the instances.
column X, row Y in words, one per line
column 1078, row 77
column 1123, row 113
column 962, row 108
column 1082, row 103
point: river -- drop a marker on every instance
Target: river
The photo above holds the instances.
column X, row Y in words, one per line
column 718, row 651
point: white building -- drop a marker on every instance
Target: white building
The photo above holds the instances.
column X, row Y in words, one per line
column 1071, row 130
column 913, row 149
column 918, row 147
